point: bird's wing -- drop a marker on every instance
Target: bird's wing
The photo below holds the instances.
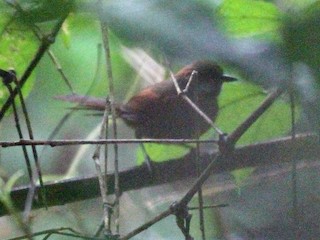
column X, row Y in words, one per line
column 138, row 107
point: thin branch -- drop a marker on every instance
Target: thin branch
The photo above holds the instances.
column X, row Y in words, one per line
column 58, row 231
column 198, row 159
column 209, row 206
column 294, row 178
column 59, row 68
column 55, row 143
column 185, row 90
column 148, row 224
column 103, row 183
column 105, row 38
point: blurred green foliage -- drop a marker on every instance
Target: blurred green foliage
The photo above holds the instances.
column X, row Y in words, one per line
column 187, row 31
column 265, row 43
column 17, row 47
column 245, row 18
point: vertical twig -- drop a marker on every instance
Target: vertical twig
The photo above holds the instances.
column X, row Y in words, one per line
column 105, row 38
column 294, row 160
column 182, row 93
column 100, row 173
column 109, row 213
column 200, row 195
column 198, row 160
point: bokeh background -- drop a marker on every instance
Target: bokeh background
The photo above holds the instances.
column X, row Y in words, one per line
column 266, row 44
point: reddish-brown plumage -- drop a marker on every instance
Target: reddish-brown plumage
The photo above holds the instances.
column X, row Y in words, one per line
column 158, row 112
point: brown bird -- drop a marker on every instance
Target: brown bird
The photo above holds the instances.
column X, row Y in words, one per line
column 158, row 112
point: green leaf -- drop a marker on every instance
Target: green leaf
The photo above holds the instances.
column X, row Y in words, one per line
column 162, row 152
column 180, row 29
column 238, row 100
column 5, row 188
column 301, row 36
column 16, row 51
column 65, row 33
column 249, row 18
column 35, row 11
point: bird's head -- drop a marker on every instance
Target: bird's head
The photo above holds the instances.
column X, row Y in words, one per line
column 208, row 78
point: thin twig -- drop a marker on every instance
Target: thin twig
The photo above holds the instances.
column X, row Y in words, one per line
column 209, row 206
column 60, row 70
column 58, row 231
column 29, row 201
column 194, row 73
column 294, row 191
column 101, row 175
column 100, row 228
column 202, row 178
column 107, row 220
column 199, row 164
column 105, row 38
column 148, row 224
column 55, row 143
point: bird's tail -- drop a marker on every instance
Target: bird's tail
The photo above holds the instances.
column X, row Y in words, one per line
column 85, row 102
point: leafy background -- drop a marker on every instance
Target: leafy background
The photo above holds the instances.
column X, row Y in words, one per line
column 263, row 43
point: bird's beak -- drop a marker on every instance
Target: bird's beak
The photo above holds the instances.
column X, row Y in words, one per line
column 228, row 79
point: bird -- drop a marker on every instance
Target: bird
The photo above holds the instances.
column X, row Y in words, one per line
column 158, row 112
